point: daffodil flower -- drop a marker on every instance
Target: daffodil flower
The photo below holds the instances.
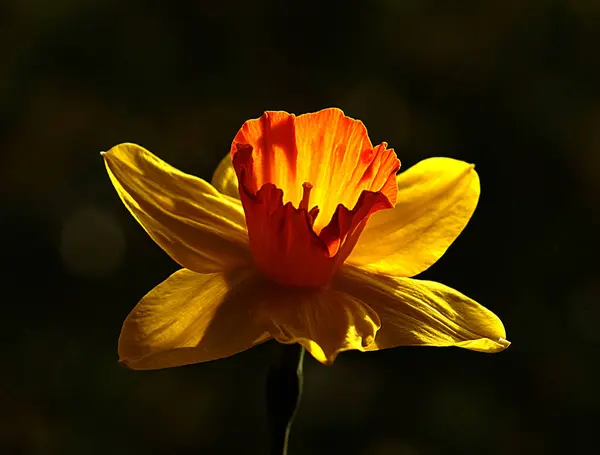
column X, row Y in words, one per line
column 306, row 235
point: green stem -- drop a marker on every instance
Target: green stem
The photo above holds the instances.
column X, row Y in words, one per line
column 284, row 389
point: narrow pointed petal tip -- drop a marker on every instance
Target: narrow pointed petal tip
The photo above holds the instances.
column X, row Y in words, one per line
column 486, row 345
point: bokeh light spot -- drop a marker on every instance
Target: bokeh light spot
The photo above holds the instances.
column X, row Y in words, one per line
column 92, row 243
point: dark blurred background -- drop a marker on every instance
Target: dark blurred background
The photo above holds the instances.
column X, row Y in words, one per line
column 512, row 86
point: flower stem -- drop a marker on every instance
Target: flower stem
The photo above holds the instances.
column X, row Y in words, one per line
column 284, row 389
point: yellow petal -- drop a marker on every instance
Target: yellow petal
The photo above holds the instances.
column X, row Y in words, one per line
column 197, row 226
column 190, row 318
column 225, row 180
column 423, row 313
column 324, row 321
column 436, row 199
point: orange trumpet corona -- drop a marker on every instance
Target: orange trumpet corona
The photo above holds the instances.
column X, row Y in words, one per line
column 308, row 186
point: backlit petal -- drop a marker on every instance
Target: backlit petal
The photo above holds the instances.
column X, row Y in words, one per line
column 198, row 227
column 436, row 199
column 423, row 313
column 324, row 321
column 190, row 318
column 224, row 178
